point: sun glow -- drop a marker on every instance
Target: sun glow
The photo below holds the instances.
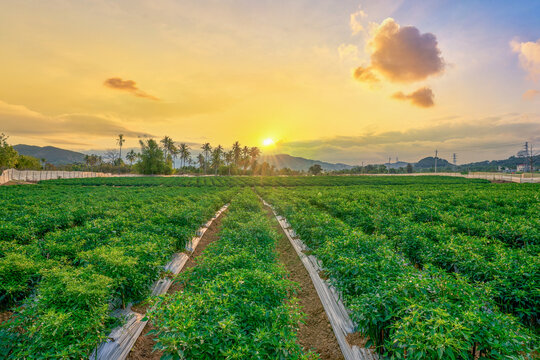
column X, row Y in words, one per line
column 268, row 142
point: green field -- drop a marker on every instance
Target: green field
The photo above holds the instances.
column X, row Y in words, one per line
column 429, row 267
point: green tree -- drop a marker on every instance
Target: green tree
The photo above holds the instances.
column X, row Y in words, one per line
column 409, row 168
column 206, row 150
column 8, row 155
column 120, row 141
column 152, row 160
column 315, row 169
column 25, row 162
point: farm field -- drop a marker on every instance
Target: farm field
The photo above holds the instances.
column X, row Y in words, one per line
column 428, row 271
column 429, row 267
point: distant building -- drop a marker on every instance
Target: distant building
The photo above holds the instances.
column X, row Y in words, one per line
column 522, row 168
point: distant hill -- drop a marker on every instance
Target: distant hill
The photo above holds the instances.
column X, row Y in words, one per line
column 509, row 163
column 429, row 163
column 298, row 163
column 51, row 154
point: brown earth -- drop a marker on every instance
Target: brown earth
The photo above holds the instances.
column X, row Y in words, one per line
column 4, row 316
column 315, row 333
column 143, row 348
column 18, row 182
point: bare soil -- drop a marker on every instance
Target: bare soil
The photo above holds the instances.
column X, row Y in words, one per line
column 18, row 182
column 315, row 333
column 144, row 346
column 5, row 315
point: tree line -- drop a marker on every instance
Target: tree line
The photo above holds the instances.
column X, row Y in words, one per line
column 11, row 159
column 160, row 157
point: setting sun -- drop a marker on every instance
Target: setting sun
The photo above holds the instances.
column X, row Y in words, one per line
column 268, row 142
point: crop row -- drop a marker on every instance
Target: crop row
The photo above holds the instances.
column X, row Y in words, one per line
column 405, row 310
column 236, row 303
column 265, row 181
column 432, row 237
column 68, row 257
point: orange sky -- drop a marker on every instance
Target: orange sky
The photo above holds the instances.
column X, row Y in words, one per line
column 76, row 73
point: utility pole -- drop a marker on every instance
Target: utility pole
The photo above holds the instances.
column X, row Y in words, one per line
column 531, row 160
column 454, row 155
column 436, row 153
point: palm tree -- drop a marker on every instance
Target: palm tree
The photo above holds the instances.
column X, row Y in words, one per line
column 168, row 146
column 206, row 149
column 229, row 156
column 175, row 152
column 216, row 157
column 254, row 153
column 183, row 150
column 120, row 141
column 201, row 161
column 237, row 151
column 245, row 157
column 131, row 156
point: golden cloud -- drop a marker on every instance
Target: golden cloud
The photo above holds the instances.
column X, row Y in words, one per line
column 19, row 120
column 531, row 94
column 354, row 22
column 129, row 86
column 422, row 97
column 365, row 75
column 403, row 54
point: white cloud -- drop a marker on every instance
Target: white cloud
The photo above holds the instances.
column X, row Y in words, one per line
column 529, row 56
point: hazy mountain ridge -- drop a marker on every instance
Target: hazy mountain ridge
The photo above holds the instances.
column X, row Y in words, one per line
column 299, row 163
column 51, row 154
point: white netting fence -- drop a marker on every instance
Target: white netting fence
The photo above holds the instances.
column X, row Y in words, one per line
column 36, row 175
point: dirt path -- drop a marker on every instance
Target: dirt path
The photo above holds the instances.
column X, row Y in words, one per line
column 316, row 334
column 145, row 343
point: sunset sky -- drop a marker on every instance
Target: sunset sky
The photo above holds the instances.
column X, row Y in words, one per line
column 346, row 81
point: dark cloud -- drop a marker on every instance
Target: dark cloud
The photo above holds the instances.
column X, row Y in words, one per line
column 19, row 120
column 129, row 86
column 422, row 97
